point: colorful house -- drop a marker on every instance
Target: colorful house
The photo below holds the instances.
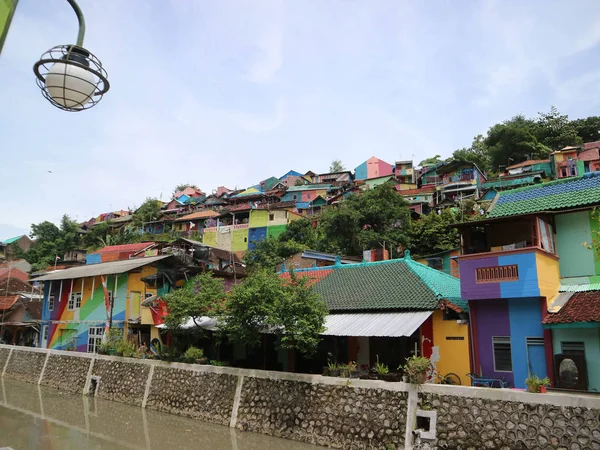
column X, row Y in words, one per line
column 194, row 222
column 306, row 193
column 512, row 267
column 458, row 180
column 390, row 310
column 419, row 200
column 333, row 178
column 373, row 168
column 370, row 183
column 576, row 160
column 75, row 313
column 405, row 174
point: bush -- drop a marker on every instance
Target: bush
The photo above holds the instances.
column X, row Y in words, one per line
column 415, row 369
column 215, row 362
column 193, row 354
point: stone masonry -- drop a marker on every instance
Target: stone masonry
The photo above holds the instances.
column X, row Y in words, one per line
column 26, row 366
column 475, row 423
column 123, row 381
column 201, row 395
column 328, row 415
column 3, row 355
column 67, row 373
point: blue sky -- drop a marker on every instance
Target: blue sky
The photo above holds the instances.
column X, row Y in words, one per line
column 232, row 92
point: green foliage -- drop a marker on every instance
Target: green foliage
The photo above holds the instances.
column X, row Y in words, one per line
column 375, row 218
column 431, row 233
column 588, row 129
column 17, row 251
column 216, row 362
column 336, row 166
column 381, row 368
column 149, row 211
column 477, row 153
column 555, row 131
column 193, row 354
column 52, row 241
column 101, row 235
column 415, row 368
column 433, row 161
column 513, row 141
column 533, row 382
column 288, row 308
column 201, row 296
column 268, row 253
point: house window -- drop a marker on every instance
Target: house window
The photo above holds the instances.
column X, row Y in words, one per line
column 74, row 301
column 573, row 348
column 51, row 302
column 502, row 354
column 271, row 217
column 45, row 334
column 294, row 197
column 94, row 338
column 497, row 274
column 563, row 172
column 148, row 295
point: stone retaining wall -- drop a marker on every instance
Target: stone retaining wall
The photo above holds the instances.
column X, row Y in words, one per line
column 122, row 380
column 204, row 396
column 26, row 366
column 335, row 412
column 67, row 373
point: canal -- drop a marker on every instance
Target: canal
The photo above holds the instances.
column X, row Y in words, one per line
column 34, row 417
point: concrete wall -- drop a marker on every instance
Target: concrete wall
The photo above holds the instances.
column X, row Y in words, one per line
column 329, row 411
column 573, row 230
column 452, row 342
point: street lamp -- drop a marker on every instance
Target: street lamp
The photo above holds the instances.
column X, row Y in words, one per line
column 71, row 77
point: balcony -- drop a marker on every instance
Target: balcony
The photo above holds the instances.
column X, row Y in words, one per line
column 508, row 258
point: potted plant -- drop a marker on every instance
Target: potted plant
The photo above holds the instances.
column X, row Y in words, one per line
column 193, row 355
column 536, row 384
column 334, row 369
column 352, row 369
column 416, row 369
column 381, row 369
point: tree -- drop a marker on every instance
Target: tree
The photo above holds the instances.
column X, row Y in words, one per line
column 555, row 131
column 433, row 161
column 588, row 129
column 376, row 218
column 203, row 295
column 52, row 241
column 182, row 186
column 477, row 153
column 336, row 166
column 101, row 235
column 149, row 211
column 266, row 302
column 270, row 252
column 514, row 141
column 432, row 234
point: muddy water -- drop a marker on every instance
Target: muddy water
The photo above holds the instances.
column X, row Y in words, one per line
column 33, row 417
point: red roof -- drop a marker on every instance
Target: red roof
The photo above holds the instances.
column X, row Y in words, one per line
column 590, row 145
column 14, row 273
column 314, row 276
column 6, row 302
column 581, row 307
column 125, row 248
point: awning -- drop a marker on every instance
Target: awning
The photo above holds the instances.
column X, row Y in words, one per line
column 148, row 301
column 375, row 325
column 94, row 270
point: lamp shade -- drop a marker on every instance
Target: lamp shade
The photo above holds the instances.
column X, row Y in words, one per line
column 70, row 85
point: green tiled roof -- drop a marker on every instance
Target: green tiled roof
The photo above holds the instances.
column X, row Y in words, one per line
column 552, row 196
column 399, row 284
column 11, row 240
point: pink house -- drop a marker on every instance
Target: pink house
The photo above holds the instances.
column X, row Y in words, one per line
column 373, row 168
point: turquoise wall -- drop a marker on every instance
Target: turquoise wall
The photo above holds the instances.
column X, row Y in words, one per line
column 591, row 339
column 360, row 173
column 572, row 231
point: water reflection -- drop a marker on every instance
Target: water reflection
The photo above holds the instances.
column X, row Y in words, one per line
column 41, row 418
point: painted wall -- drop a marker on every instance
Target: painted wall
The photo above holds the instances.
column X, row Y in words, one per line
column 239, row 240
column 492, row 318
column 275, row 231
column 453, row 353
column 377, row 181
column 258, row 218
column 548, row 275
column 525, row 317
column 256, row 235
column 91, row 313
column 591, row 339
column 573, row 230
column 209, row 238
column 525, row 286
column 360, row 173
column 279, row 217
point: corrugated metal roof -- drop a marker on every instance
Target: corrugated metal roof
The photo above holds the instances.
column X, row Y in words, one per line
column 94, row 270
column 375, row 325
column 580, row 284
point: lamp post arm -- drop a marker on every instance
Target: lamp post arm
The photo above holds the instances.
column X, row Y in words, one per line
column 81, row 20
